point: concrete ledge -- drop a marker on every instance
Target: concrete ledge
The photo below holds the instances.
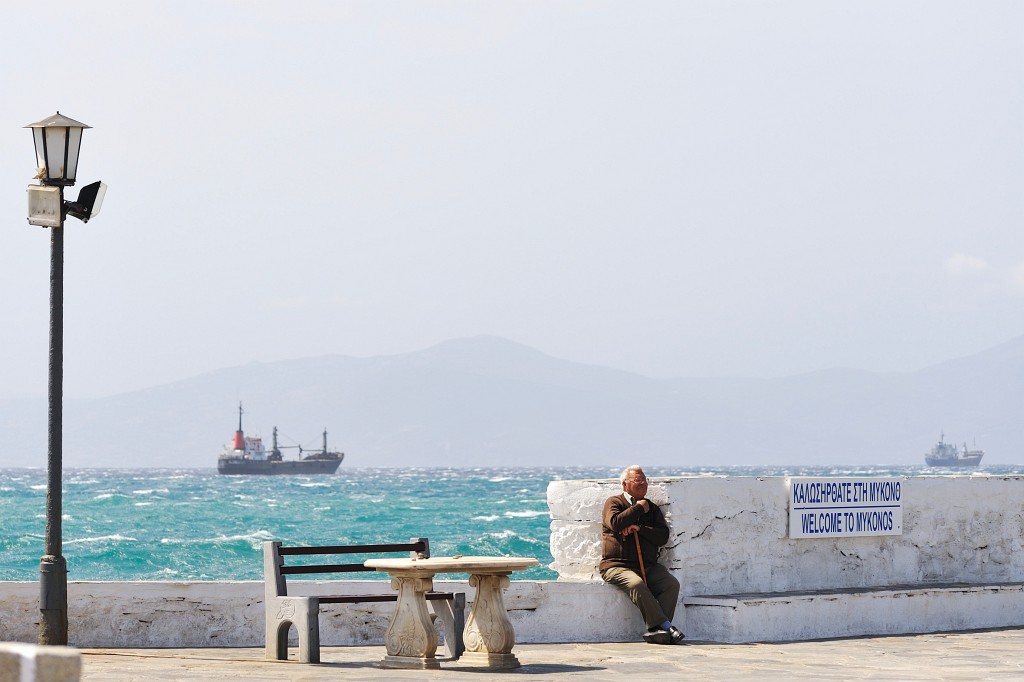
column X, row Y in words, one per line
column 851, row 612
column 31, row 663
column 231, row 614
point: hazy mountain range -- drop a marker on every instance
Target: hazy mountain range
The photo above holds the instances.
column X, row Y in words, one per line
column 488, row 401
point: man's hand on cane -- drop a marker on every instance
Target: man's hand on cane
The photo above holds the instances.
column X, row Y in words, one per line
column 629, row 530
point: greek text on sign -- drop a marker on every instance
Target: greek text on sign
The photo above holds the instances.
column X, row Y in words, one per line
column 844, row 507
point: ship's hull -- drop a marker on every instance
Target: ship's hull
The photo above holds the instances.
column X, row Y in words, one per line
column 958, row 462
column 293, row 467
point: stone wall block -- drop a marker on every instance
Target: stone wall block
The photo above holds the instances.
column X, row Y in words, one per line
column 584, row 500
column 31, row 663
column 579, row 549
column 576, row 500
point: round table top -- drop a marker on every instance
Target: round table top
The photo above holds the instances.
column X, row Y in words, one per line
column 454, row 564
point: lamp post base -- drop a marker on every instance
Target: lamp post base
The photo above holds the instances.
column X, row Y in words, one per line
column 53, row 600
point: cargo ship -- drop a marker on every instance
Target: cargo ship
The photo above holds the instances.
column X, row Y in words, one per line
column 948, row 455
column 248, row 455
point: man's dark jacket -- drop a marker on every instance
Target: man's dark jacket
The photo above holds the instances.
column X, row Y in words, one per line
column 619, row 551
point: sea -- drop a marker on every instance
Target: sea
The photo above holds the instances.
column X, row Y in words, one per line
column 193, row 524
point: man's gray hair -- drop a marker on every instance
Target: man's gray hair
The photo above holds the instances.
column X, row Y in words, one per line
column 625, row 472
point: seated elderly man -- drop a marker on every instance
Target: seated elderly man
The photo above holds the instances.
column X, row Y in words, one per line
column 633, row 529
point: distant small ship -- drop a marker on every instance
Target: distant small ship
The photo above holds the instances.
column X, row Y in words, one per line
column 245, row 455
column 947, row 455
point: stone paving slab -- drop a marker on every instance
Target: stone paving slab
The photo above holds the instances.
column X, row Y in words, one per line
column 980, row 655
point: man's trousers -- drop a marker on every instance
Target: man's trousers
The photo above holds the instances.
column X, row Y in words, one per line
column 656, row 599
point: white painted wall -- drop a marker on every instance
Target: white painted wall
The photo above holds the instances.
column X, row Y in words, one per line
column 729, row 535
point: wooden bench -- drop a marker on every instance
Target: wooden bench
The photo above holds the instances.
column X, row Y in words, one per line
column 284, row 610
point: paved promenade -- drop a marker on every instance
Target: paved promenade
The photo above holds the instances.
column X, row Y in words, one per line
column 981, row 655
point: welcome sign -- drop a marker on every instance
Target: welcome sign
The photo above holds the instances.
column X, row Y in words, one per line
column 844, row 507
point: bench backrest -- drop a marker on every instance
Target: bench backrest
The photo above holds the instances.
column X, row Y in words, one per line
column 275, row 570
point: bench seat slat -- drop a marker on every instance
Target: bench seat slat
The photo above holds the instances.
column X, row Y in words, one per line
column 353, row 549
column 324, row 568
column 360, row 598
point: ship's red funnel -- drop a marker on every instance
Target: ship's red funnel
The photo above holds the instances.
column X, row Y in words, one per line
column 239, row 441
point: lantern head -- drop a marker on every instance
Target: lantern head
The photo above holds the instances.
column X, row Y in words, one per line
column 58, row 140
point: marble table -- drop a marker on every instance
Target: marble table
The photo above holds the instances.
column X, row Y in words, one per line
column 489, row 636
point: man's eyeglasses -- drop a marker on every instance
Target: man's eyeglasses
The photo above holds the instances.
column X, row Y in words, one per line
column 642, row 479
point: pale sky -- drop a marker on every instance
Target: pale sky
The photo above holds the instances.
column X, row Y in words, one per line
column 672, row 188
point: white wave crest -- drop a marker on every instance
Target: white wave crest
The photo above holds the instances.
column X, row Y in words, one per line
column 101, row 538
column 502, row 535
column 255, row 538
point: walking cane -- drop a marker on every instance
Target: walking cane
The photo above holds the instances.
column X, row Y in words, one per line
column 640, row 556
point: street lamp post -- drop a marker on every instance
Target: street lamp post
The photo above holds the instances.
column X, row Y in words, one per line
column 58, row 140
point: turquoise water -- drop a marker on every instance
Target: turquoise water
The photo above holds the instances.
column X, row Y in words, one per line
column 192, row 524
